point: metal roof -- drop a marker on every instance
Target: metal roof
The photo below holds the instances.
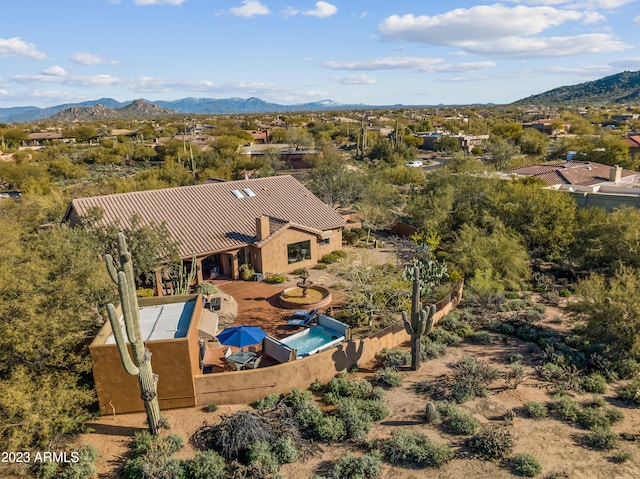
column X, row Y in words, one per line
column 207, row 218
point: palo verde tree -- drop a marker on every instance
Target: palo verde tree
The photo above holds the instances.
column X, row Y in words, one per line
column 140, row 364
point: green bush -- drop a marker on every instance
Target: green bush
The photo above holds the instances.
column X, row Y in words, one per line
column 285, row 450
column 631, row 392
column 356, row 421
column 307, row 414
column 441, row 335
column 388, row 378
column 84, row 468
column 350, row 466
column 151, row 457
column 354, row 317
column 206, row 288
column 594, row 383
column 471, row 378
column 452, row 323
column 266, row 403
column 566, row 408
column 602, row 438
column 319, row 266
column 411, row 448
column 329, row 429
column 333, row 257
column 296, row 397
column 206, row 465
column 535, row 410
column 493, row 442
column 621, row 457
column 593, row 419
column 481, row 337
column 211, row 407
column 341, row 387
column 430, row 349
column 526, row 465
column 395, row 358
column 276, row 279
column 626, row 368
column 262, row 459
column 461, row 423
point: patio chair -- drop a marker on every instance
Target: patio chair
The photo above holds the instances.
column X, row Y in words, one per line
column 227, row 352
column 253, row 364
column 302, row 318
column 214, row 304
column 234, row 366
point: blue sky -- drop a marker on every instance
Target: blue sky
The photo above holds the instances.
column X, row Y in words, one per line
column 349, row 51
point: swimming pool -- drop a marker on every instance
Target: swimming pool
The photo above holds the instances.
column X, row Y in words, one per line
column 312, row 340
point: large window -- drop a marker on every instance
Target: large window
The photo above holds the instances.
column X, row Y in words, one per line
column 297, row 252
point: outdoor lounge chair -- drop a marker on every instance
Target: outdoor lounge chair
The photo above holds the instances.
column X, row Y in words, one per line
column 253, row 364
column 302, row 318
column 214, row 304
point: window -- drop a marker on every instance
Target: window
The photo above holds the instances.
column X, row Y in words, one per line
column 323, row 242
column 297, row 252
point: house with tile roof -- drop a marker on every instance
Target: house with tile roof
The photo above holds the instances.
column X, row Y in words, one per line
column 590, row 184
column 633, row 142
column 273, row 224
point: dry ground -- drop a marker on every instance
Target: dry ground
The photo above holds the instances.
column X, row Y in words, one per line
column 557, row 445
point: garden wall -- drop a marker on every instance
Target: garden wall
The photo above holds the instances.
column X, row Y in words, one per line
column 242, row 387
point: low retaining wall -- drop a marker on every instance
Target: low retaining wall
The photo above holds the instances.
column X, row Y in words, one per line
column 243, row 387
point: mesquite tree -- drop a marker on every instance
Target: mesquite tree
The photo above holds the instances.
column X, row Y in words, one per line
column 140, row 364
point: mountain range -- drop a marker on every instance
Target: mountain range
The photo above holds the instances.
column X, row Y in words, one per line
column 621, row 88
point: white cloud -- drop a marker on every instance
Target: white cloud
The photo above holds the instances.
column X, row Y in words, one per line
column 159, row 2
column 500, row 30
column 637, row 20
column 421, row 64
column 579, row 4
column 354, row 79
column 16, row 47
column 250, row 8
column 322, row 10
column 84, row 58
column 627, row 63
column 55, row 70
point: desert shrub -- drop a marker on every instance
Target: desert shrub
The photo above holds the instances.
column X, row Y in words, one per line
column 375, row 409
column 329, row 428
column 84, row 468
column 441, row 335
column 206, row 465
column 594, row 383
column 566, row 408
column 452, row 323
column 285, row 450
column 526, row 465
column 307, row 414
column 430, row 349
column 205, row 288
column 447, row 408
column 340, row 387
column 535, row 410
column 356, row 422
column 350, row 466
column 354, row 317
column 333, row 257
column 247, row 273
column 394, row 358
column 319, row 266
column 621, row 457
column 626, row 368
column 481, row 337
column 614, row 415
column 411, row 448
column 516, row 358
column 262, row 459
column 471, row 378
column 593, row 419
column 461, row 423
column 211, row 407
column 151, row 457
column 514, row 377
column 350, row 237
column 631, row 392
column 493, row 442
column 296, row 397
column 266, row 403
column 388, row 378
column 602, row 438
column 276, row 279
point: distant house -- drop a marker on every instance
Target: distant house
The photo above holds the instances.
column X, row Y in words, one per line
column 590, row 184
column 633, row 142
column 273, row 224
column 547, row 126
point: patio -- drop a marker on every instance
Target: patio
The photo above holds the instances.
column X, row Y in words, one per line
column 254, row 304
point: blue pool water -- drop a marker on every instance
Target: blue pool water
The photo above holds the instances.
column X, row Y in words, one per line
column 312, row 339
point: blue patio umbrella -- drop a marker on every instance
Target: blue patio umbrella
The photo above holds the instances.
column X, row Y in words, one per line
column 241, row 336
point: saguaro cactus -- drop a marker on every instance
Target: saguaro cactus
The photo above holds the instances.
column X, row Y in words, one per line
column 140, row 364
column 421, row 321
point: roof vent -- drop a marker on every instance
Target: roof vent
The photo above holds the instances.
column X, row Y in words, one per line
column 248, row 192
column 237, row 194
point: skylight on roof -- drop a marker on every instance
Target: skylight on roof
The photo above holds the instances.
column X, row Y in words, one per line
column 248, row 192
column 237, row 194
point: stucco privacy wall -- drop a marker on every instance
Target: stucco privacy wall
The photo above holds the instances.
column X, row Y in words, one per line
column 176, row 361
column 242, row 387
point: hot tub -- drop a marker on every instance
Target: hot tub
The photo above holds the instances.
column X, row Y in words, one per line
column 313, row 340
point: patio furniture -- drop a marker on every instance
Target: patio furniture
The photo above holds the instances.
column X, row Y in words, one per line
column 302, row 318
column 214, row 304
column 241, row 336
column 241, row 359
column 253, row 364
column 227, row 353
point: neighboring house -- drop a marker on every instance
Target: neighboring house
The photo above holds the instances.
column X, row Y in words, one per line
column 590, row 184
column 273, row 224
column 633, row 142
column 467, row 142
column 547, row 126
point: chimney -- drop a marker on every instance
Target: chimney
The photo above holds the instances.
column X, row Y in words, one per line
column 262, row 228
column 615, row 174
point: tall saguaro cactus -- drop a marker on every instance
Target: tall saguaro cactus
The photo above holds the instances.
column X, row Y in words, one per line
column 140, row 364
column 420, row 322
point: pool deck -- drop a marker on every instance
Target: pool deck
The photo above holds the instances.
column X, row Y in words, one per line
column 257, row 305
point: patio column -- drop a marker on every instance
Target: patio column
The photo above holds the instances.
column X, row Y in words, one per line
column 199, row 270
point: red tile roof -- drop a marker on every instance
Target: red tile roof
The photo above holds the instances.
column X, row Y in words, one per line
column 570, row 173
column 207, row 218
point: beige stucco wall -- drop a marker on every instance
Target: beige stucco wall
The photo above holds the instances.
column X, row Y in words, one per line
column 175, row 361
